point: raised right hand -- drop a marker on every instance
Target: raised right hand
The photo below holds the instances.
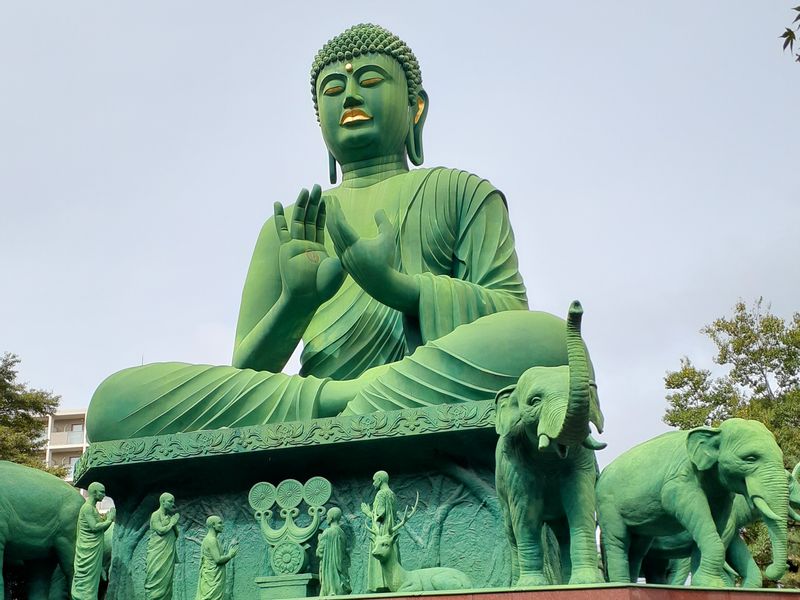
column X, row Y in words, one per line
column 308, row 273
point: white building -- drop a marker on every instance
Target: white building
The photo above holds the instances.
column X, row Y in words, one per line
column 65, row 442
column 66, row 439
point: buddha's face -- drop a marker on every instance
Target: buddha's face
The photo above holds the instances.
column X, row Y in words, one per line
column 363, row 107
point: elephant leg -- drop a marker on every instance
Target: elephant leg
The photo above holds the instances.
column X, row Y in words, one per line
column 690, row 507
column 527, row 523
column 65, row 553
column 512, row 541
column 740, row 558
column 679, row 570
column 637, row 550
column 616, row 541
column 578, row 500
column 39, row 574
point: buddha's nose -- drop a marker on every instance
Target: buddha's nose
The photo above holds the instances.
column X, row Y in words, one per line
column 352, row 97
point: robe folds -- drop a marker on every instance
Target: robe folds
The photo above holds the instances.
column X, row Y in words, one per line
column 453, row 236
column 88, row 562
column 160, row 564
column 331, row 549
column 211, row 579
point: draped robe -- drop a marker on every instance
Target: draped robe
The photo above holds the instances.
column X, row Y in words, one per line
column 331, row 550
column 88, row 554
column 211, row 578
column 160, row 563
column 453, row 236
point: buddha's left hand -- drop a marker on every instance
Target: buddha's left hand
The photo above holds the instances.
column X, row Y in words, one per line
column 371, row 261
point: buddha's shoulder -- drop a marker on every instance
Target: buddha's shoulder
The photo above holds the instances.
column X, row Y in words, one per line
column 458, row 179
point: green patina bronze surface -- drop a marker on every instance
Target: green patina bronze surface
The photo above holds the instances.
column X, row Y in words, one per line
column 545, row 466
column 334, row 579
column 163, row 536
column 396, row 281
column 687, row 481
column 89, row 545
column 38, row 519
column 211, row 579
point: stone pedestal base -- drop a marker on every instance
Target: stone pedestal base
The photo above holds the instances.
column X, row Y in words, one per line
column 444, row 453
column 608, row 591
column 281, row 587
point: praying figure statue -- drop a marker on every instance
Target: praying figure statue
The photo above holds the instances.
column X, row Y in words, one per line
column 211, row 584
column 160, row 563
column 89, row 547
column 402, row 284
column 382, row 516
column 332, row 552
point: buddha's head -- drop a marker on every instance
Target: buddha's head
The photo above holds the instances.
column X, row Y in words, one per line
column 367, row 90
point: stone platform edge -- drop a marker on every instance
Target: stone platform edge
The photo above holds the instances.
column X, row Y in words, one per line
column 601, row 591
column 316, row 432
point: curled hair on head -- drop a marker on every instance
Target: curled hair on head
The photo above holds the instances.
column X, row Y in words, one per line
column 367, row 38
column 164, row 497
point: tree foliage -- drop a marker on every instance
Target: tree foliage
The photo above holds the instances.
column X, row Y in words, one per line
column 789, row 36
column 760, row 353
column 23, row 413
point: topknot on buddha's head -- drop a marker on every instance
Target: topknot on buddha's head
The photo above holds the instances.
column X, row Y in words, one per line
column 364, row 39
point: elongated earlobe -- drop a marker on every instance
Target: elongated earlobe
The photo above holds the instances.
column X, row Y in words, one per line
column 416, row 122
column 331, row 167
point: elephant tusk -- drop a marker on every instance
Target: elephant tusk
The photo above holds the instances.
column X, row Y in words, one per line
column 544, row 442
column 764, row 509
column 793, row 515
column 593, row 444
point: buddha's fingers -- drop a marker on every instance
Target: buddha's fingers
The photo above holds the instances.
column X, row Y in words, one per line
column 310, row 221
column 347, row 235
column 299, row 215
column 280, row 223
column 321, row 215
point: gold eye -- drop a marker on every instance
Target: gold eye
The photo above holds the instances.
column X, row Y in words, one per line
column 371, row 81
column 333, row 90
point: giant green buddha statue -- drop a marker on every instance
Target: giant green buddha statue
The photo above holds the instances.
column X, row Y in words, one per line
column 402, row 284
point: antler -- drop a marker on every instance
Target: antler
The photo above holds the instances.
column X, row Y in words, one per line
column 406, row 516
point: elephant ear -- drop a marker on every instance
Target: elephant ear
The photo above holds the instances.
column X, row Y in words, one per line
column 702, row 444
column 506, row 410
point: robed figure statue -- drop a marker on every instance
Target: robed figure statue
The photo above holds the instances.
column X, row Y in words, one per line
column 382, row 516
column 89, row 544
column 160, row 561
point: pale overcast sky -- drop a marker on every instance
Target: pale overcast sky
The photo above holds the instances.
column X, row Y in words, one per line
column 648, row 151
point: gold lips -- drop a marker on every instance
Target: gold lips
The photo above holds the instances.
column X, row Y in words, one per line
column 353, row 115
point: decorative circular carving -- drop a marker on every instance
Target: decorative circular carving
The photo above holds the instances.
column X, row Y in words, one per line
column 288, row 558
column 290, row 493
column 317, row 491
column 262, row 496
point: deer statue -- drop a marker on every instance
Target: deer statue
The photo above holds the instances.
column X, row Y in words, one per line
column 384, row 549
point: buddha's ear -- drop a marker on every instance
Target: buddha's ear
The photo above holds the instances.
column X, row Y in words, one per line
column 416, row 122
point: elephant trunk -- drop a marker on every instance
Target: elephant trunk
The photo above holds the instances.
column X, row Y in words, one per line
column 576, row 420
column 775, row 514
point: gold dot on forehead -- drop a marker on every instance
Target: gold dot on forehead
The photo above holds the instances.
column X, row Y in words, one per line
column 348, row 67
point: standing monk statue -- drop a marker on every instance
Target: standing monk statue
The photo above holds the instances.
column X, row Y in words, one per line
column 161, row 550
column 395, row 280
column 89, row 544
column 332, row 551
column 211, row 584
column 382, row 516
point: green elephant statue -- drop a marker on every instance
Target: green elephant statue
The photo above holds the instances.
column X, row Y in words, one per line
column 688, row 481
column 545, row 465
column 38, row 518
column 669, row 559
